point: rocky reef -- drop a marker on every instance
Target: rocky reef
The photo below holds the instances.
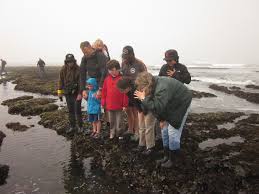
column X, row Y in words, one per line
column 227, row 167
column 198, row 94
column 251, row 97
column 17, row 126
column 29, row 106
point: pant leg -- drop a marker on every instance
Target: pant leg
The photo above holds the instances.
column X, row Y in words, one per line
column 78, row 112
column 118, row 122
column 175, row 134
column 142, row 129
column 150, row 122
column 165, row 136
column 71, row 110
column 112, row 120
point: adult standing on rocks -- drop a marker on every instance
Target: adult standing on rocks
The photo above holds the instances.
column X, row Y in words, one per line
column 176, row 70
column 3, row 64
column 93, row 65
column 169, row 100
column 69, row 85
column 131, row 67
column 41, row 68
column 173, row 68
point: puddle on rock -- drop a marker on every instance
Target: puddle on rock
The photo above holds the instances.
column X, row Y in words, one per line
column 215, row 142
column 231, row 125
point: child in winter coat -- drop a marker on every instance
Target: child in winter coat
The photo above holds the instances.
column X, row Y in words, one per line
column 112, row 99
column 94, row 107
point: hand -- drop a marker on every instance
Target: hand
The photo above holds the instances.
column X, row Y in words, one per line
column 170, row 73
column 85, row 95
column 139, row 95
column 162, row 124
column 79, row 97
column 99, row 92
column 123, row 108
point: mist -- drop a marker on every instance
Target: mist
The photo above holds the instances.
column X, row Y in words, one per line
column 214, row 31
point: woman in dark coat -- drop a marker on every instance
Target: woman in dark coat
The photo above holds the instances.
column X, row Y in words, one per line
column 169, row 100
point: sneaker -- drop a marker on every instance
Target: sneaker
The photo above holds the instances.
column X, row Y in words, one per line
column 97, row 136
column 87, row 131
column 80, row 129
column 148, row 152
column 134, row 138
column 112, row 136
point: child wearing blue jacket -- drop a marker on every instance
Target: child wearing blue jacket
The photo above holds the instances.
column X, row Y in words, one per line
column 94, row 107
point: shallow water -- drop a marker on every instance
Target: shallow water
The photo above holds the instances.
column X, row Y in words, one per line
column 215, row 142
column 40, row 160
column 226, row 75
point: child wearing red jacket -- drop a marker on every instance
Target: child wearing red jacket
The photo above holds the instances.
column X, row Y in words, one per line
column 112, row 99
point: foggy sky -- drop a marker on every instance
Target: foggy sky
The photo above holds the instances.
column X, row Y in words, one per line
column 209, row 31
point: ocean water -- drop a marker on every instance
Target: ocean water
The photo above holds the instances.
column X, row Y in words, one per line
column 228, row 75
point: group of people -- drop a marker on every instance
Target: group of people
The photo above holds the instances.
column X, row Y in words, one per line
column 129, row 87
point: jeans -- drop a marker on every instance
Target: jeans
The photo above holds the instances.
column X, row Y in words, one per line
column 172, row 137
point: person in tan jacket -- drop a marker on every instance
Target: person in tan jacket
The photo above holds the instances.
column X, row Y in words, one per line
column 69, row 85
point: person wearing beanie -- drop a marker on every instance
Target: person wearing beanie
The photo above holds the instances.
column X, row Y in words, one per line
column 174, row 69
column 131, row 67
column 68, row 85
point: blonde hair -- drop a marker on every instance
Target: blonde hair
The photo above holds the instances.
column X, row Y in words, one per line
column 98, row 44
column 145, row 81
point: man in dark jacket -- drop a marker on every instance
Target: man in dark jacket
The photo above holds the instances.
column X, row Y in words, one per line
column 3, row 64
column 173, row 68
column 41, row 68
column 93, row 65
column 69, row 83
column 169, row 100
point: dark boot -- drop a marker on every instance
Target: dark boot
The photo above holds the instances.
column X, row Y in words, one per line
column 165, row 158
column 169, row 162
column 70, row 130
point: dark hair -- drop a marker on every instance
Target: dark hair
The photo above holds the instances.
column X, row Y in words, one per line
column 84, row 44
column 124, row 84
column 113, row 64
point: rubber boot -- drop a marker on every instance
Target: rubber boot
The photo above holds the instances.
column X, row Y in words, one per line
column 165, row 158
column 69, row 130
column 169, row 162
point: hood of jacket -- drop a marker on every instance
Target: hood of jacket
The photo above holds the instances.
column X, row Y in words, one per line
column 93, row 82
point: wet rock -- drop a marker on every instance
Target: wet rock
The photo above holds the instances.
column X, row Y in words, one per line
column 14, row 100
column 30, row 106
column 27, row 79
column 17, row 126
column 2, row 136
column 57, row 120
column 251, row 97
column 235, row 88
column 197, row 94
column 207, row 171
column 4, row 169
column 252, row 86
